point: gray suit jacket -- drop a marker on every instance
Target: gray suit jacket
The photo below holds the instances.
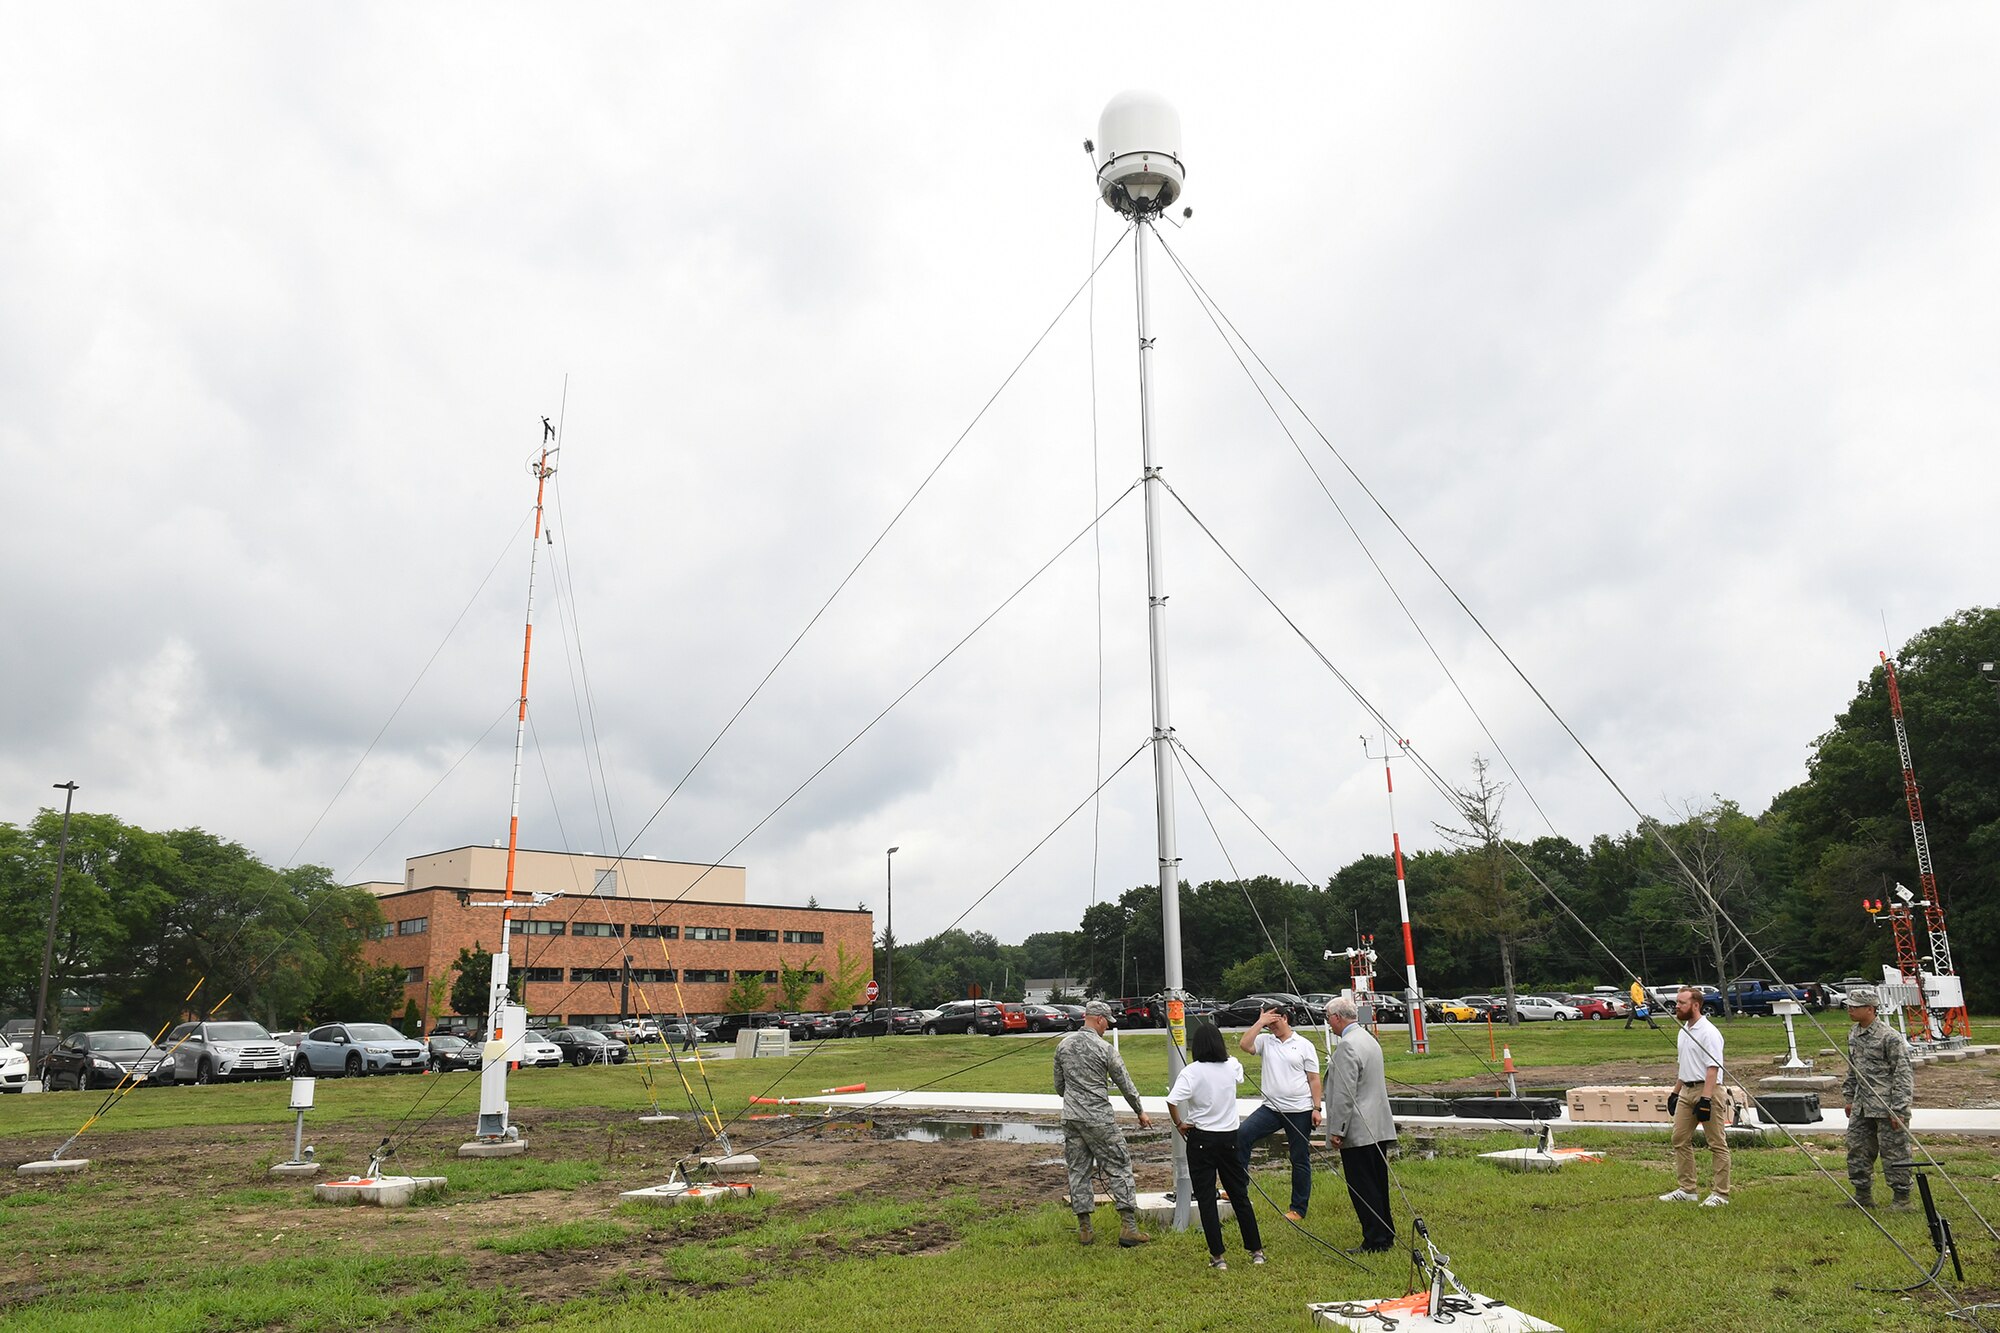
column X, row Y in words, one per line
column 1357, row 1095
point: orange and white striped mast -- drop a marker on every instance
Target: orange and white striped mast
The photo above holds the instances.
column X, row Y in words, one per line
column 1414, row 994
column 505, row 1021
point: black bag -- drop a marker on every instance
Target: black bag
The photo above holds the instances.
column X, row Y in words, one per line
column 1673, row 1100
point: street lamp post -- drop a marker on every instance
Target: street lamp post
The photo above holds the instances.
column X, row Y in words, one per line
column 55, row 905
column 889, row 937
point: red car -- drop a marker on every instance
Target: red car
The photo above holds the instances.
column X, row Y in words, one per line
column 1597, row 1006
column 1013, row 1018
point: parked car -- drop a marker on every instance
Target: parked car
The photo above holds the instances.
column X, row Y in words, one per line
column 1485, row 1006
column 13, row 1066
column 677, row 1033
column 1543, row 1009
column 205, row 1052
column 588, row 1046
column 1242, row 1013
column 1595, row 1006
column 729, row 1025
column 1755, row 995
column 1452, row 1011
column 644, row 1030
column 535, row 1051
column 1388, row 1008
column 1013, row 1017
column 85, row 1060
column 902, row 1020
column 965, row 1016
column 1047, row 1018
column 617, row 1031
column 448, row 1053
column 355, row 1049
column 1074, row 1012
column 1137, row 1011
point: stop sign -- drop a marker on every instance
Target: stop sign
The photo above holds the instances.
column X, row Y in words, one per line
column 872, row 991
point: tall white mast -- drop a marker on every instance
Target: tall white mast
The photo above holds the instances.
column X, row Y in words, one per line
column 1139, row 174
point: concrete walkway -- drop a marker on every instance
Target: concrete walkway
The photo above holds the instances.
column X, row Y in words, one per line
column 1928, row 1120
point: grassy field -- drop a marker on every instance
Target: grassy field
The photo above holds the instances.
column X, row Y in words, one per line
column 540, row 1242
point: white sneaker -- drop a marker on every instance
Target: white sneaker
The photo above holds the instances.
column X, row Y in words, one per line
column 1680, row 1196
column 1714, row 1201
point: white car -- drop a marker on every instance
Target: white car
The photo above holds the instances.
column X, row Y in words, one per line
column 536, row 1049
column 13, row 1067
column 1539, row 1008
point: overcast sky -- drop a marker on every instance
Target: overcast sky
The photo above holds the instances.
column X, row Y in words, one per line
column 1668, row 332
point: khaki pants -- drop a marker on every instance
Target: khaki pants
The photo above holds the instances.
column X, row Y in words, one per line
column 1714, row 1131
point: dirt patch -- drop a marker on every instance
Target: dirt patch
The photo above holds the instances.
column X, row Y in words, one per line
column 213, row 1185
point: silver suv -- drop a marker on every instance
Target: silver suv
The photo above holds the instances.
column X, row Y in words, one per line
column 205, row 1052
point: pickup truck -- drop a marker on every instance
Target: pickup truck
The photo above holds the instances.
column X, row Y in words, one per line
column 1756, row 995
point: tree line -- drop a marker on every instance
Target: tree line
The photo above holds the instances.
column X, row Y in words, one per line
column 154, row 925
column 1691, row 896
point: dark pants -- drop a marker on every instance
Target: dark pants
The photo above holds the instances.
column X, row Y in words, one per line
column 1212, row 1153
column 1367, row 1172
column 1298, row 1127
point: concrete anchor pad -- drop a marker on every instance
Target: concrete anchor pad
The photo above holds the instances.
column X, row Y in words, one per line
column 378, row 1191
column 1406, row 1316
column 295, row 1169
column 688, row 1194
column 497, row 1148
column 54, row 1167
column 1159, row 1208
column 740, row 1164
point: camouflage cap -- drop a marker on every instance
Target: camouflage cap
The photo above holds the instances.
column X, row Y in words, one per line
column 1862, row 997
column 1097, row 1009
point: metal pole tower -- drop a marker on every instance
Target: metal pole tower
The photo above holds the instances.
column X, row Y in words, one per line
column 1953, row 1020
column 1139, row 175
column 493, row 1078
column 1413, row 994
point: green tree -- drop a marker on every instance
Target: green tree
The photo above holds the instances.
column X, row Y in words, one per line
column 747, row 995
column 850, row 975
column 1488, row 899
column 472, row 977
column 1259, row 972
column 795, row 983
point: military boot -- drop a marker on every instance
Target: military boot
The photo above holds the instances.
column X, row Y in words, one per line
column 1862, row 1199
column 1900, row 1201
column 1129, row 1233
column 1084, row 1235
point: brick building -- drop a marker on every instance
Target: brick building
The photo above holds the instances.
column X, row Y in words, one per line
column 679, row 924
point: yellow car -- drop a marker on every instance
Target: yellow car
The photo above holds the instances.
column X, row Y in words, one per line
column 1453, row 1011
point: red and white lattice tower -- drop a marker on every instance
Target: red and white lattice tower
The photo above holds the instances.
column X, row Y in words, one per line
column 1953, row 1021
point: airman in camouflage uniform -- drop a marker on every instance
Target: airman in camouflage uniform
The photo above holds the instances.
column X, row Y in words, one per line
column 1878, row 1090
column 1085, row 1064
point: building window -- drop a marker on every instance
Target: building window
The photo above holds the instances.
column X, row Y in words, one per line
column 656, row 932
column 756, row 937
column 538, row 927
column 594, row 974
column 416, row 925
column 708, row 932
column 599, row 929
column 647, row 976
column 697, row 975
column 805, row 937
column 545, row 974
column 381, row 932
column 756, row 974
column 412, row 976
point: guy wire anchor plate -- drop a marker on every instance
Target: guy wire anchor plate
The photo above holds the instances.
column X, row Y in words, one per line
column 1410, row 1314
column 680, row 1192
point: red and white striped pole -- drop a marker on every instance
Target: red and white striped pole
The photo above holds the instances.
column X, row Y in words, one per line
column 1419, row 1039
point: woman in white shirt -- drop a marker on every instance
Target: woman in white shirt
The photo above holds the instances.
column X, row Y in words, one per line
column 1203, row 1107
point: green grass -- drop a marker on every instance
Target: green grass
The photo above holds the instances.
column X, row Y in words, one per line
column 1588, row 1249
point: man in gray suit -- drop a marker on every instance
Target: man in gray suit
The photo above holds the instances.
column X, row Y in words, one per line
column 1359, row 1124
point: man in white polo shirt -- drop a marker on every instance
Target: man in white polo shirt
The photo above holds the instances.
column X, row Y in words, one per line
column 1291, row 1089
column 1701, row 1099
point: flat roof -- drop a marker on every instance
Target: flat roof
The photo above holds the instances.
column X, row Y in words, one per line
column 598, row 856
column 604, row 898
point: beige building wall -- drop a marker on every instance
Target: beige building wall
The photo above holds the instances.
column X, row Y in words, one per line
column 485, row 868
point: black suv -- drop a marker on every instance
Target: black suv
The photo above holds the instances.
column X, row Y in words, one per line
column 967, row 1016
column 729, row 1025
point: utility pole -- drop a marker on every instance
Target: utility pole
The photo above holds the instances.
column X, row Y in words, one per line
column 889, row 936
column 49, row 945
